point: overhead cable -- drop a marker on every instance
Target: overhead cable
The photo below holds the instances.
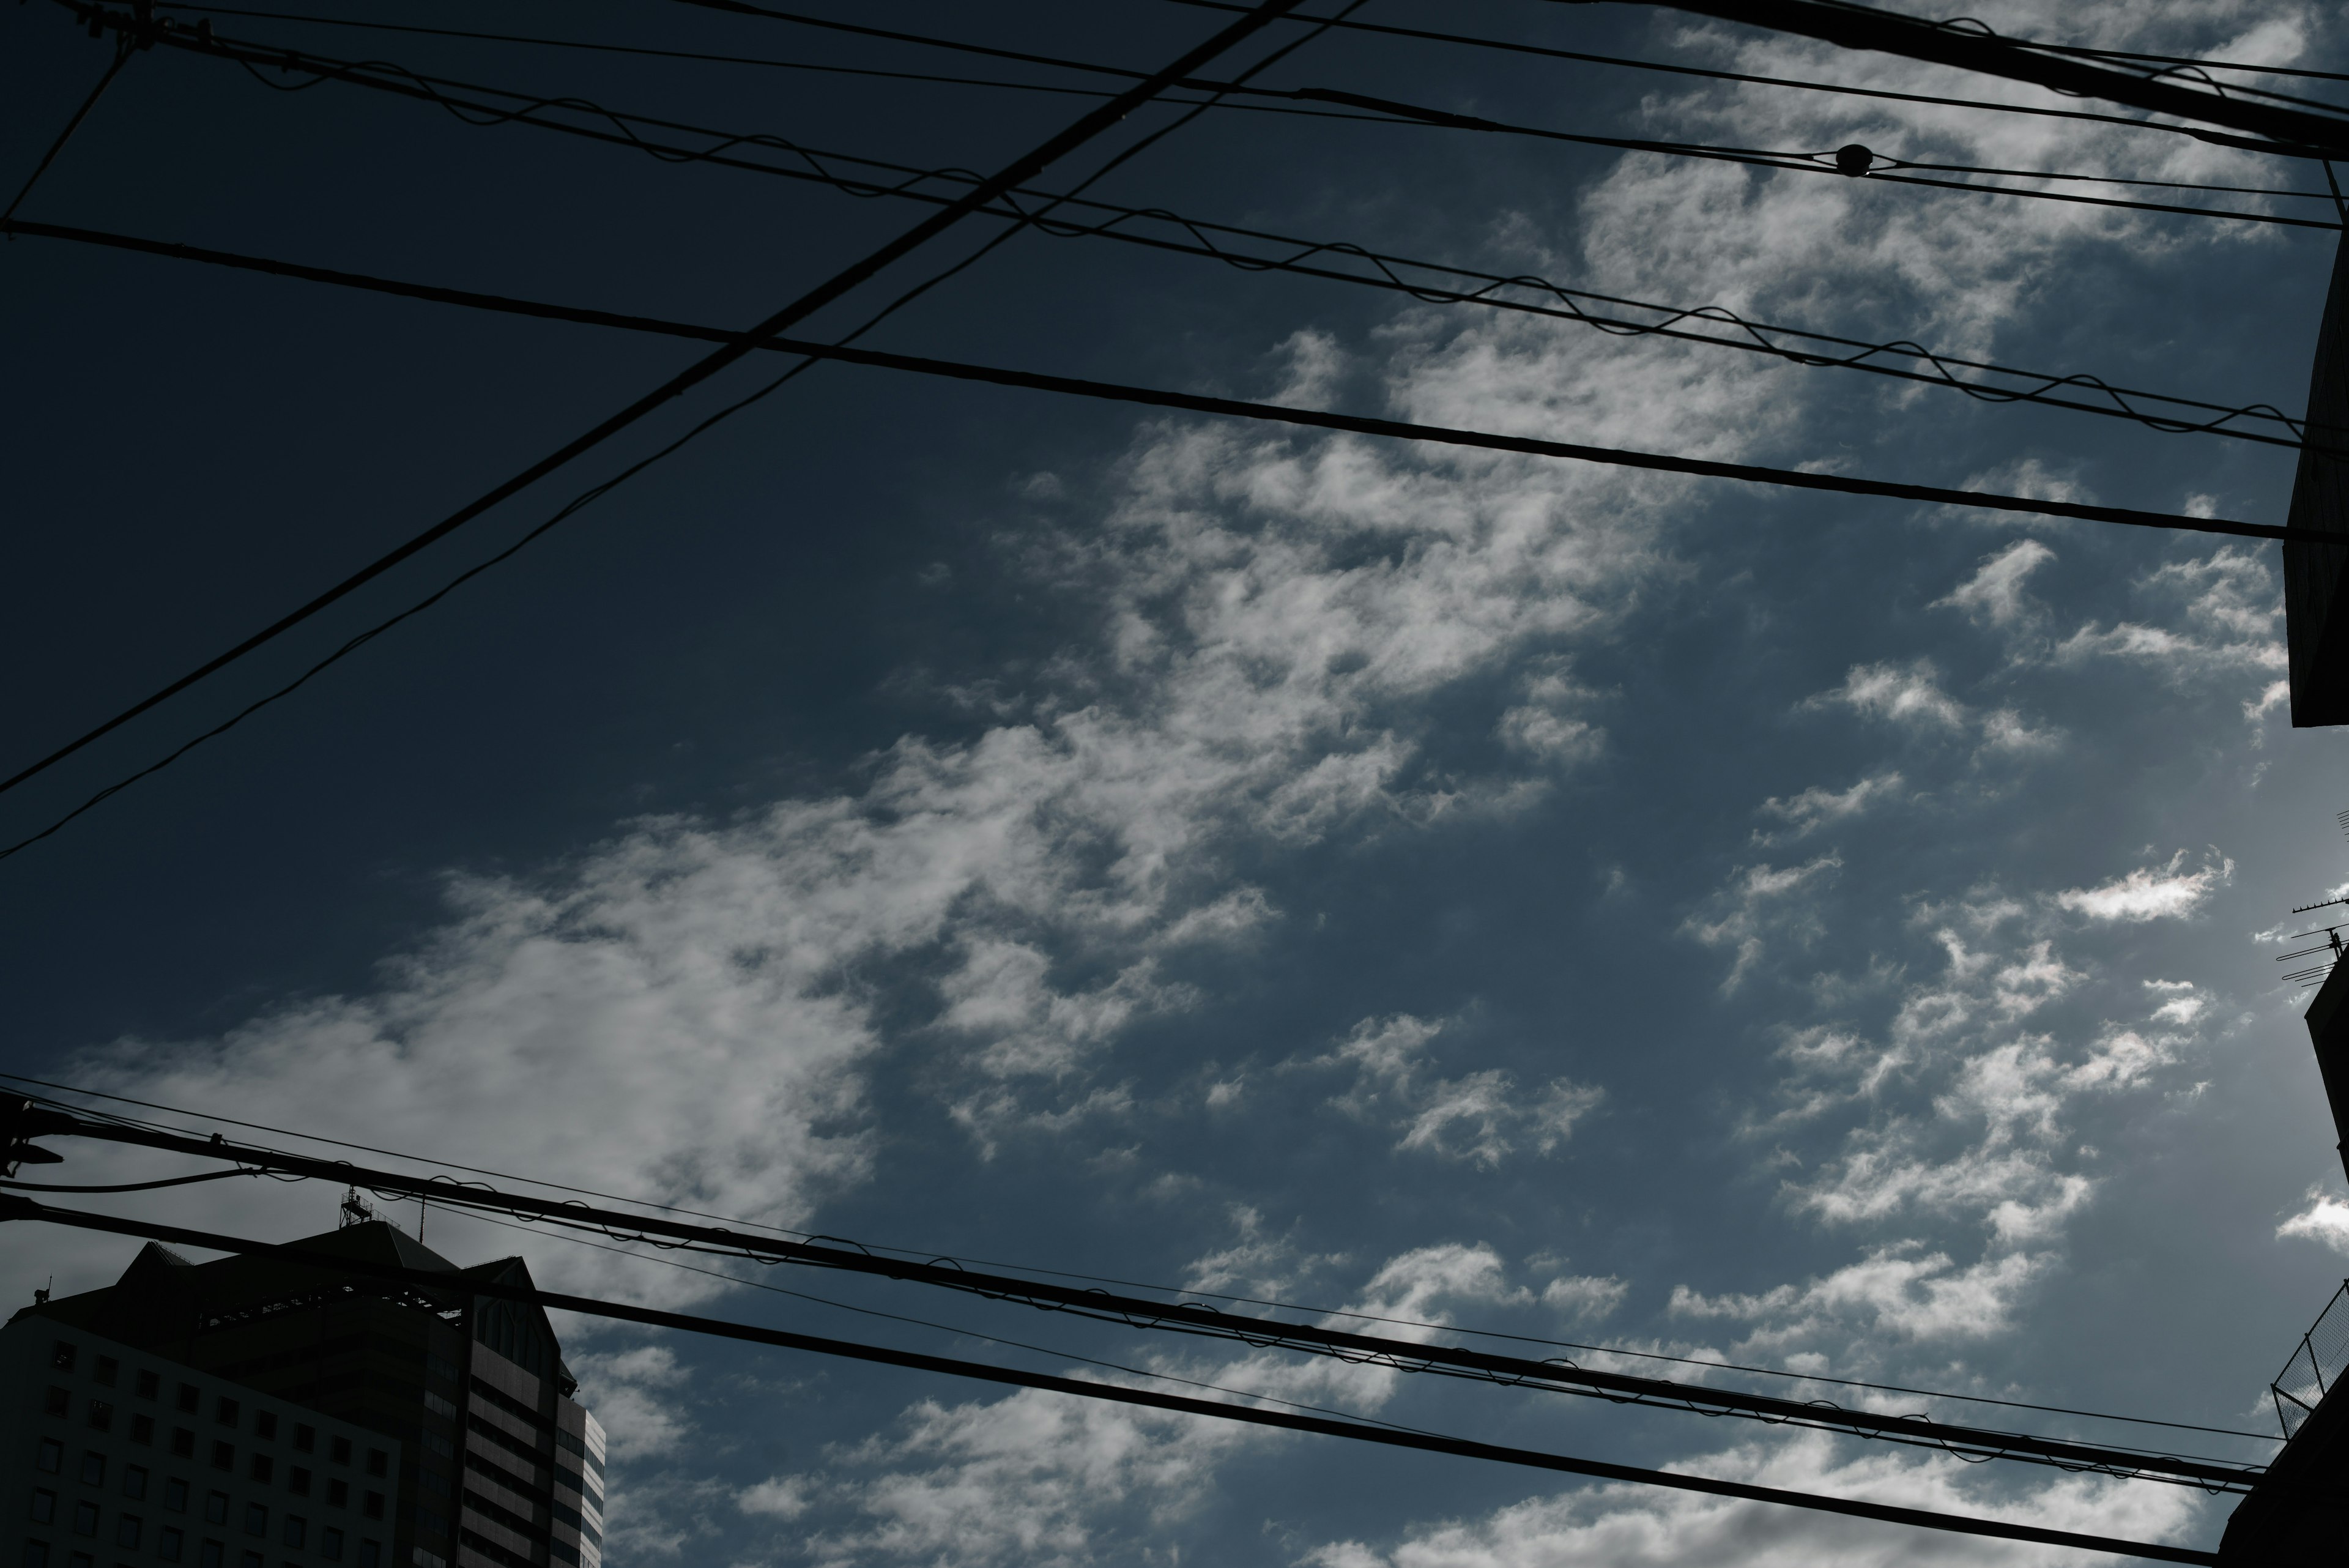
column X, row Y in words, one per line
column 1558, row 1375
column 1356, row 424
column 2117, row 401
column 933, row 1254
column 1848, row 161
column 1854, row 26
column 1937, row 100
column 1011, row 176
column 123, row 50
column 436, row 1283
column 1117, row 392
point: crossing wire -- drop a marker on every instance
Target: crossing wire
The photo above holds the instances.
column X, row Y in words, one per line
column 1020, row 171
column 440, row 1283
column 1936, row 101
column 933, row 1253
column 1116, row 392
column 1190, row 1318
column 1882, row 168
column 624, row 134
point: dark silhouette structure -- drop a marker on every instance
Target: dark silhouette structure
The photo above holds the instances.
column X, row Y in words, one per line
column 2316, row 613
column 498, row 1465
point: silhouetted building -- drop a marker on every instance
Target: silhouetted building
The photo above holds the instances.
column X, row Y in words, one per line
column 110, row 1454
column 465, row 1444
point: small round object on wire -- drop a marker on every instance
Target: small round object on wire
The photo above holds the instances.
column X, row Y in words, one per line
column 1853, row 160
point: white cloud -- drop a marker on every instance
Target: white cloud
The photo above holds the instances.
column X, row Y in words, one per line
column 1758, row 902
column 2324, row 1220
column 1819, row 806
column 1995, row 593
column 1624, row 1526
column 635, row 1393
column 2149, row 893
column 1907, row 694
column 1584, row 1298
column 1480, row 1117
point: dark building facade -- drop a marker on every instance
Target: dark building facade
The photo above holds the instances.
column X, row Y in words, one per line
column 498, row 1464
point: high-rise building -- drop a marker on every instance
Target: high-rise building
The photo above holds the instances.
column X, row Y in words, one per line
column 459, row 1436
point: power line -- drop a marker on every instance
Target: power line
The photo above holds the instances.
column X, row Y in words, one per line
column 1020, row 170
column 438, row 1283
column 1190, row 1318
column 1816, row 160
column 935, row 1256
column 1356, row 424
column 1854, row 26
column 385, row 76
column 123, row 52
column 625, row 134
column 1150, row 397
column 1756, row 336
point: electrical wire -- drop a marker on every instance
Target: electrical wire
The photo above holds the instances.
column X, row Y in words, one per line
column 784, row 1231
column 1881, row 168
column 1822, row 160
column 1198, row 232
column 1759, row 336
column 427, row 1281
column 1398, row 430
column 1931, row 100
column 960, row 1331
column 123, row 53
column 1020, row 170
column 137, row 1186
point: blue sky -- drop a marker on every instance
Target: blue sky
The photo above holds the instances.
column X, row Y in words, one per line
column 1816, row 933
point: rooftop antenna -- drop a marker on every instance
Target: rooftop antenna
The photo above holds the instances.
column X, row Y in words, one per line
column 2332, row 949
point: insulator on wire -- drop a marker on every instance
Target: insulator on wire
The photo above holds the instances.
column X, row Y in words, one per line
column 1853, row 160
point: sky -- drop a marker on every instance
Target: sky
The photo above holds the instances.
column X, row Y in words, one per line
column 1825, row 934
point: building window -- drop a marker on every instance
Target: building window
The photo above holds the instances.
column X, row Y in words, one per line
column 188, row 1397
column 296, row 1530
column 263, row 1466
column 142, row 1428
column 306, row 1439
column 341, row 1451
column 80, row 1559
column 101, row 1415
column 225, row 1410
column 338, row 1494
column 170, row 1544
column 256, row 1518
column 373, row 1507
column 183, row 1443
column 211, row 1554
column 297, row 1481
column 149, row 1386
column 439, row 1445
column 265, row 1424
column 85, row 1518
column 93, row 1469
column 223, row 1455
column 330, row 1545
column 370, row 1554
column 251, row 1560
column 175, row 1495
column 51, row 1458
column 56, row 1402
column 216, row 1508
column 61, row 1356
column 377, row 1461
column 36, row 1554
column 44, row 1506
column 125, row 1530
column 107, row 1370
column 134, row 1482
